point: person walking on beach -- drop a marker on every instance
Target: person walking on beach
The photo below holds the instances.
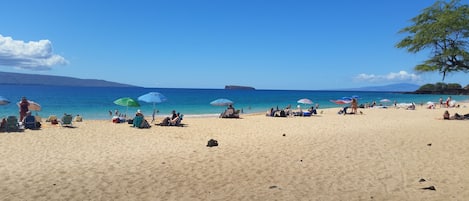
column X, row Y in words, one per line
column 24, row 104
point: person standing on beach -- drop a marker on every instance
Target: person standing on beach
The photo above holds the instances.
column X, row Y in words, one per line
column 354, row 106
column 448, row 100
column 24, row 104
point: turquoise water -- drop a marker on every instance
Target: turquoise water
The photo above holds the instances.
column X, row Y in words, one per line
column 94, row 103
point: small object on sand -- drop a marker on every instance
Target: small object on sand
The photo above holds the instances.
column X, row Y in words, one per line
column 422, row 180
column 212, row 143
column 430, row 188
column 284, row 135
column 301, row 160
column 430, row 144
column 272, row 187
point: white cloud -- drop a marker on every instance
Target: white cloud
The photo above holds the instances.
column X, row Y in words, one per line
column 391, row 77
column 33, row 55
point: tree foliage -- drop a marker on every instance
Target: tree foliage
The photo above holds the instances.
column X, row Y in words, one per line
column 440, row 86
column 444, row 29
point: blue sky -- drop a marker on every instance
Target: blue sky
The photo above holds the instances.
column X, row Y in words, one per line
column 267, row 44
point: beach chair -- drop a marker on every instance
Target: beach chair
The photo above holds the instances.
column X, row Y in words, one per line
column 230, row 113
column 30, row 122
column 52, row 119
column 66, row 120
column 12, row 124
column 137, row 121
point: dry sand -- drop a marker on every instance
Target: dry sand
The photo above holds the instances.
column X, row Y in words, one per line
column 384, row 154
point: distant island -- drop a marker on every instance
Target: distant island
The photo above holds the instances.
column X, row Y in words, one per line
column 50, row 80
column 236, row 87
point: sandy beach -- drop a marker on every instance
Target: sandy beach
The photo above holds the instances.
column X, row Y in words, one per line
column 384, row 154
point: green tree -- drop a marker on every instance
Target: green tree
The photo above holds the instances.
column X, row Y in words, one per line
column 440, row 86
column 427, row 87
column 444, row 29
column 454, row 86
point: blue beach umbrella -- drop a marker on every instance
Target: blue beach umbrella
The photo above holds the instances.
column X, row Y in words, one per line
column 153, row 97
column 346, row 98
column 221, row 102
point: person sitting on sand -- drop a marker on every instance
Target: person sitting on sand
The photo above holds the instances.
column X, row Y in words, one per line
column 138, row 113
column 343, row 111
column 270, row 113
column 175, row 120
column 166, row 121
column 312, row 110
column 78, row 118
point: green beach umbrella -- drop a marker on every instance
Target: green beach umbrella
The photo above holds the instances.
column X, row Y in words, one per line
column 127, row 102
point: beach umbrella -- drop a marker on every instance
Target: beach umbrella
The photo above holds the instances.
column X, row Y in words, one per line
column 221, row 102
column 305, row 101
column 385, row 100
column 341, row 102
column 356, row 96
column 153, row 97
column 346, row 98
column 127, row 102
column 3, row 101
column 33, row 106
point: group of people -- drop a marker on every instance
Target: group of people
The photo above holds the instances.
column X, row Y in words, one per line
column 230, row 112
column 173, row 120
column 140, row 122
column 353, row 105
column 447, row 102
column 287, row 111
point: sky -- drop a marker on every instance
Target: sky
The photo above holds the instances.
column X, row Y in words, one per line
column 266, row 44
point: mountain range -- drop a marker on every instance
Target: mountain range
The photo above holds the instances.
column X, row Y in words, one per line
column 50, row 80
column 7, row 78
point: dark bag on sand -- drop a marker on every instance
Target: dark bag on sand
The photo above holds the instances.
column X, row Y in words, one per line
column 144, row 124
column 212, row 143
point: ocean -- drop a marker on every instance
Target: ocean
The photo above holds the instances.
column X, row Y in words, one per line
column 96, row 102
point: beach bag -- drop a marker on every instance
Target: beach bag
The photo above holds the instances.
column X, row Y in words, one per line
column 212, row 143
column 144, row 124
